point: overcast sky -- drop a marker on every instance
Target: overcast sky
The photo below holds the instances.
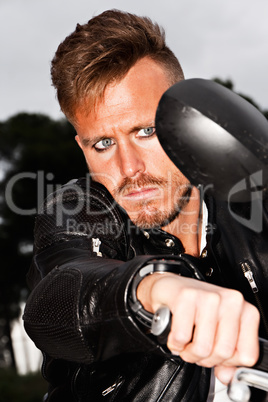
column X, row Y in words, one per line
column 211, row 38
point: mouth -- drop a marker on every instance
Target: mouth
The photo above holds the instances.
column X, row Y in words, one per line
column 141, row 193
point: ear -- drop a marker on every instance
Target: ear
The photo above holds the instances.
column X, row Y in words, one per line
column 77, row 139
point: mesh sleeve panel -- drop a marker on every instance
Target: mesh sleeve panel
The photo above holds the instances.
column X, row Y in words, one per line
column 57, row 324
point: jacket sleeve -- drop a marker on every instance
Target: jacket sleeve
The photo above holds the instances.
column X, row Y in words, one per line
column 238, row 244
column 78, row 308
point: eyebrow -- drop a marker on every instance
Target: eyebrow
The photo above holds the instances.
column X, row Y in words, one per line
column 87, row 142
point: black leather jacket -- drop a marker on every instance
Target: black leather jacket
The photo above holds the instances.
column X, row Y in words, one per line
column 87, row 252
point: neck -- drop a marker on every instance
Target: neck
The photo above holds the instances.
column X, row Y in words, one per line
column 187, row 226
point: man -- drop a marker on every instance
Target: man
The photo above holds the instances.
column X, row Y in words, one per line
column 92, row 240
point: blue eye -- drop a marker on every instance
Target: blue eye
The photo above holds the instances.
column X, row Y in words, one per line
column 146, row 132
column 103, row 144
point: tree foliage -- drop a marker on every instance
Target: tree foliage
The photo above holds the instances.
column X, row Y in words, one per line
column 36, row 153
column 229, row 84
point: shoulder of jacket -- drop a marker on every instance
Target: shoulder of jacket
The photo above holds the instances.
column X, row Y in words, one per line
column 82, row 190
column 84, row 209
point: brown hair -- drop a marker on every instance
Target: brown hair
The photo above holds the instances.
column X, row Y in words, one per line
column 103, row 51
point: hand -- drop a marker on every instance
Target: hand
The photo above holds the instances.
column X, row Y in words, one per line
column 211, row 326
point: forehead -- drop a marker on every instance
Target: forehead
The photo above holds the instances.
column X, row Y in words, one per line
column 132, row 100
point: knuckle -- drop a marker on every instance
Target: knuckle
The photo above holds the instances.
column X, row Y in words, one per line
column 248, row 360
column 253, row 311
column 213, row 299
column 224, row 351
column 202, row 350
column 206, row 363
column 187, row 294
column 236, row 298
column 181, row 338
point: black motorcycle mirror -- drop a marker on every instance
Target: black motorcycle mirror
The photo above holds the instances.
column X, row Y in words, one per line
column 215, row 137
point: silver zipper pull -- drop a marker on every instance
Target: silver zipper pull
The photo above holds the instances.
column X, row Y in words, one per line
column 109, row 389
column 112, row 387
column 249, row 275
column 96, row 246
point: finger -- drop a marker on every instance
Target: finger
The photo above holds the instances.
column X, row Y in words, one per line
column 228, row 329
column 237, row 343
column 183, row 321
column 248, row 342
column 224, row 374
column 206, row 323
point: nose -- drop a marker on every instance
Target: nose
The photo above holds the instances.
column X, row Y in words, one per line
column 131, row 161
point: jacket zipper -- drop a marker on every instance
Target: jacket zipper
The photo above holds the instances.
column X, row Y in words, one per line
column 113, row 387
column 248, row 273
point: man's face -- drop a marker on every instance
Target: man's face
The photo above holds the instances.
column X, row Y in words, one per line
column 122, row 150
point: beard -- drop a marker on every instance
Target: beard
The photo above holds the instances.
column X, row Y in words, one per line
column 147, row 214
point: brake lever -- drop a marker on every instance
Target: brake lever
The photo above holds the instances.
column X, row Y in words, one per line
column 244, row 377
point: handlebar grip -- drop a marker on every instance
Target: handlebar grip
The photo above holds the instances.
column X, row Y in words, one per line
column 161, row 324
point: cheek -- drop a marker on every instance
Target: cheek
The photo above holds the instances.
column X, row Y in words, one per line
column 162, row 162
column 178, row 180
column 160, row 158
column 168, row 166
column 102, row 172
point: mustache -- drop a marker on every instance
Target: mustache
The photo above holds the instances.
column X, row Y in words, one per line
column 144, row 180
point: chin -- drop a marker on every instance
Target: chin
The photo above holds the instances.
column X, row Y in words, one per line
column 151, row 220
